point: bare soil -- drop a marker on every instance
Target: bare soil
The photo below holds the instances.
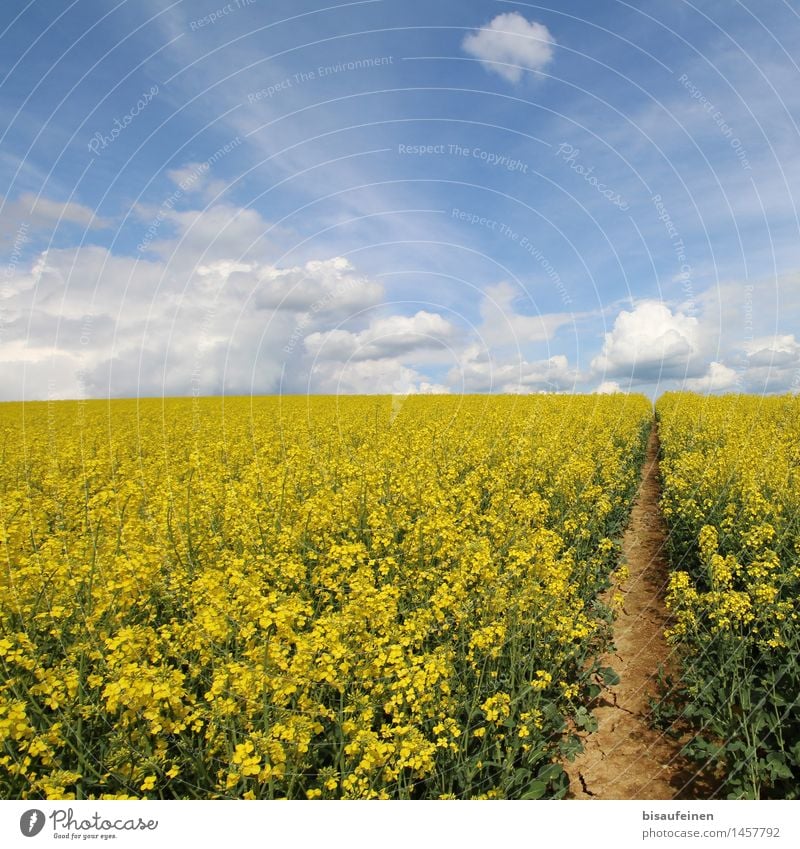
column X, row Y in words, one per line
column 626, row 758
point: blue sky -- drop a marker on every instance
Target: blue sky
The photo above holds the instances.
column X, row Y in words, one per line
column 386, row 196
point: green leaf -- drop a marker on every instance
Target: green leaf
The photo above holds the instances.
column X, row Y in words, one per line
column 536, row 789
column 609, row 676
column 551, row 772
column 571, row 747
column 777, row 766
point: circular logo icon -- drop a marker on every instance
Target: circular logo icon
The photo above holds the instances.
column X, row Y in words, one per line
column 31, row 822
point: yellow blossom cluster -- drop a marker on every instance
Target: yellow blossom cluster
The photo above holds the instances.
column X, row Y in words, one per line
column 304, row 597
column 731, row 496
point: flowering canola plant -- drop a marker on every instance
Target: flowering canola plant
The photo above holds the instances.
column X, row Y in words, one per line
column 731, row 498
column 306, row 597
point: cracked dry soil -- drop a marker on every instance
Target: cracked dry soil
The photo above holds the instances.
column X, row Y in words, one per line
column 626, row 758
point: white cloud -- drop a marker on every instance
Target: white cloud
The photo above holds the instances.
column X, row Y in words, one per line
column 387, row 377
column 328, row 286
column 509, row 40
column 196, row 177
column 385, row 338
column 84, row 322
column 478, row 371
column 207, row 311
column 773, row 351
column 608, row 387
column 650, row 343
column 388, row 354
column 189, row 177
column 187, row 238
column 718, row 378
column 772, row 364
column 28, row 214
column 199, row 315
column 502, row 324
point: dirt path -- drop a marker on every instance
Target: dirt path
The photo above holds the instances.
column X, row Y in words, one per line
column 626, row 758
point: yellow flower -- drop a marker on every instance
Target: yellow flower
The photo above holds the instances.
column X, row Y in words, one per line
column 240, row 591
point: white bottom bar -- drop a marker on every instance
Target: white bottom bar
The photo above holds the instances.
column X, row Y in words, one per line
column 405, row 825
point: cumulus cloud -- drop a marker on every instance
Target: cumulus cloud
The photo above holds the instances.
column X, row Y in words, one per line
column 384, row 338
column 385, row 377
column 205, row 310
column 198, row 313
column 479, row 371
column 82, row 322
column 608, row 387
column 503, row 324
column 772, row 364
column 322, row 286
column 649, row 343
column 509, row 45
column 28, row 214
column 774, row 352
column 190, row 237
column 196, row 177
column 718, row 378
column 189, row 177
column 394, row 353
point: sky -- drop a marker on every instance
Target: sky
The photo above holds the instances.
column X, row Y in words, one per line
column 396, row 196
